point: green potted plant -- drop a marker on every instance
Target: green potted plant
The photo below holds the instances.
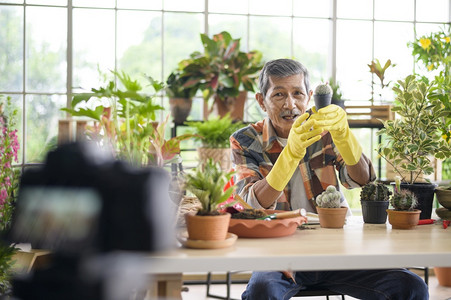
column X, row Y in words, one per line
column 330, row 213
column 411, row 141
column 223, row 72
column 404, row 214
column 214, row 135
column 180, row 95
column 336, row 93
column 374, row 198
column 207, row 183
column 322, row 95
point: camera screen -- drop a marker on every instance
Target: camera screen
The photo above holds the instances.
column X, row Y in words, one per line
column 56, row 218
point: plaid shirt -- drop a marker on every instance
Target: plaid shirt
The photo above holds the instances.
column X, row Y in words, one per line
column 255, row 149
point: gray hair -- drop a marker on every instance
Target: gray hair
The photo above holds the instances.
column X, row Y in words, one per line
column 281, row 68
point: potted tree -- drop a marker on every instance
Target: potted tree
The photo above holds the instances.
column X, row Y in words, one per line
column 207, row 183
column 330, row 213
column 223, row 72
column 411, row 141
column 374, row 198
column 180, row 95
column 214, row 135
column 404, row 215
column 322, row 95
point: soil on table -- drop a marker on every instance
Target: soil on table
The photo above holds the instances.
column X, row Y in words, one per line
column 249, row 214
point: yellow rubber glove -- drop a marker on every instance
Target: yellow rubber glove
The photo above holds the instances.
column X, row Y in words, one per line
column 333, row 119
column 301, row 136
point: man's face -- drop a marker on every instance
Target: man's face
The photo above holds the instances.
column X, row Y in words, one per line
column 286, row 99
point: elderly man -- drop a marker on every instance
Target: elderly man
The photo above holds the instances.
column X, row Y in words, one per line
column 290, row 157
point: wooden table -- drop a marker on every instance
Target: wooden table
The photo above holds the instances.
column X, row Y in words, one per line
column 356, row 246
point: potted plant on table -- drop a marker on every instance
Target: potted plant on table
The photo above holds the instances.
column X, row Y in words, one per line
column 374, row 198
column 207, row 183
column 330, row 213
column 223, row 72
column 410, row 142
column 404, row 215
column 214, row 135
column 322, row 95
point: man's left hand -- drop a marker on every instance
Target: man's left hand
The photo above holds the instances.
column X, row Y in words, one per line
column 333, row 119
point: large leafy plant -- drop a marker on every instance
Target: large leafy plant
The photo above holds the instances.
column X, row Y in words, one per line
column 222, row 69
column 413, row 139
column 214, row 132
column 208, row 183
column 125, row 121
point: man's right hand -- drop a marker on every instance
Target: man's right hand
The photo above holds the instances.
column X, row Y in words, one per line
column 301, row 136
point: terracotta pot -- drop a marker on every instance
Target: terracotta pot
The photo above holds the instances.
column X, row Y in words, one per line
column 403, row 219
column 232, row 105
column 443, row 275
column 207, row 228
column 332, row 217
column 180, row 109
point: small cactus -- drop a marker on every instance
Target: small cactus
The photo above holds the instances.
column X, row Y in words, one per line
column 404, row 200
column 375, row 191
column 323, row 89
column 330, row 198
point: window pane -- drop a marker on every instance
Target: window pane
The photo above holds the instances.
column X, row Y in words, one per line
column 139, row 43
column 97, row 3
column 390, row 42
column 353, row 58
column 48, row 2
column 181, row 29
column 433, row 11
column 11, row 43
column 314, row 53
column 93, row 41
column 355, row 9
column 270, row 7
column 231, row 6
column 43, row 113
column 235, row 25
column 139, row 4
column 12, row 1
column 183, row 5
column 46, row 49
column 401, row 10
column 263, row 27
column 308, row 8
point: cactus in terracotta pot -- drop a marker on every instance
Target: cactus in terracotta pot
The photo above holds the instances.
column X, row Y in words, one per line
column 322, row 95
column 404, row 215
column 330, row 198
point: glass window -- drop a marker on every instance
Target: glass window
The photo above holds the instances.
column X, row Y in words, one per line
column 182, row 37
column 233, row 24
column 354, row 47
column 183, row 5
column 48, row 2
column 94, row 47
column 355, row 9
column 307, row 8
column 231, row 6
column 271, row 35
column 311, row 47
column 433, row 11
column 390, row 42
column 46, row 49
column 400, row 10
column 139, row 4
column 90, row 3
column 43, row 113
column 11, row 43
column 139, row 43
column 270, row 7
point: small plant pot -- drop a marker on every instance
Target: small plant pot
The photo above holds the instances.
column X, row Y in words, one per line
column 207, row 228
column 180, row 109
column 332, row 217
column 322, row 100
column 374, row 212
column 403, row 219
column 443, row 275
column 443, row 197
